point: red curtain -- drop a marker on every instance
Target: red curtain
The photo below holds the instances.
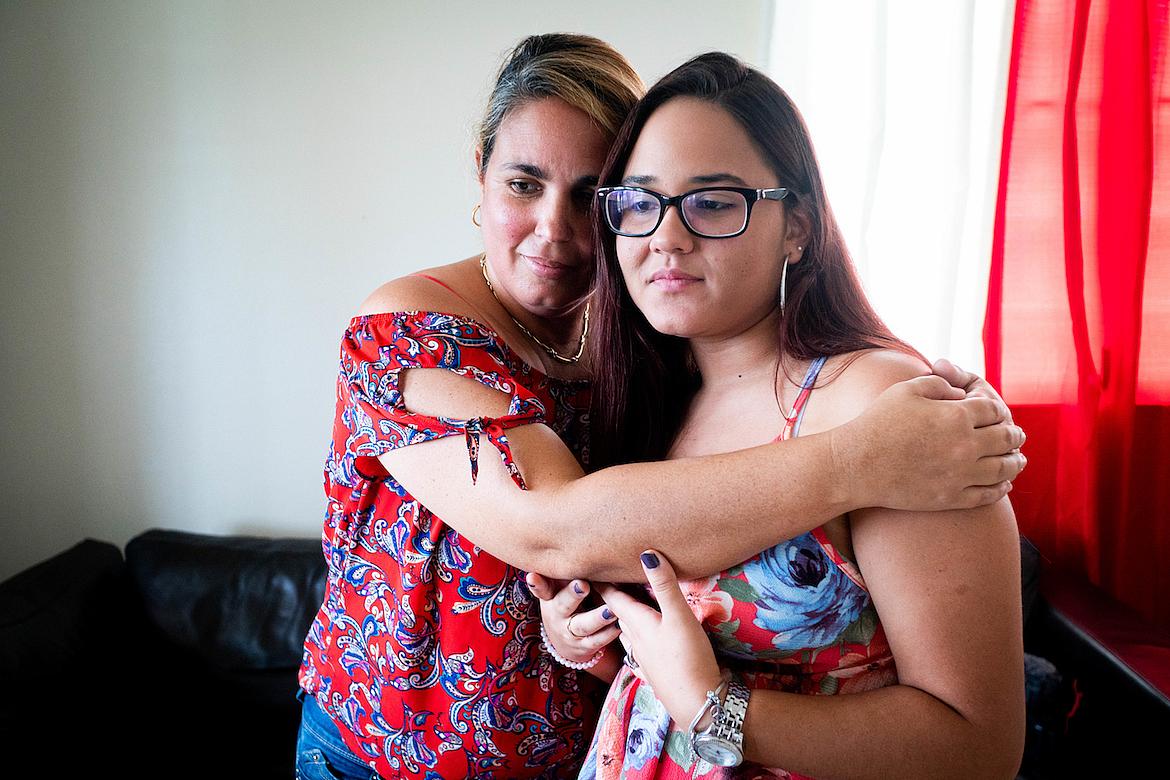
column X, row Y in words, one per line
column 1077, row 335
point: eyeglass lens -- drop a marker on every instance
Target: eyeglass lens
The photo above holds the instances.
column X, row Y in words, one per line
column 711, row 213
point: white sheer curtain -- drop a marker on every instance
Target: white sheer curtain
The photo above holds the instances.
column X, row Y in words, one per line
column 904, row 100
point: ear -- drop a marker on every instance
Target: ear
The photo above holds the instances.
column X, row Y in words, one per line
column 798, row 231
column 478, row 156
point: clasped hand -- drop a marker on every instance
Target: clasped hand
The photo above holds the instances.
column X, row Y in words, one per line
column 666, row 647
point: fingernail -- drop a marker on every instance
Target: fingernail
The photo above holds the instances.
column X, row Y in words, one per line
column 577, row 588
column 649, row 560
column 606, row 614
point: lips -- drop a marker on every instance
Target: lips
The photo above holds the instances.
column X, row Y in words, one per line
column 546, row 268
column 672, row 274
column 672, row 280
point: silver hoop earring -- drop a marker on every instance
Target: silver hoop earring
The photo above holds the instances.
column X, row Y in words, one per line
column 783, row 284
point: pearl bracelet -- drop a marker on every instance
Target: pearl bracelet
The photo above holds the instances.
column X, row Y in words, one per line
column 548, row 646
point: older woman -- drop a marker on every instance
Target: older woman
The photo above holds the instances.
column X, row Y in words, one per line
column 425, row 659
column 719, row 233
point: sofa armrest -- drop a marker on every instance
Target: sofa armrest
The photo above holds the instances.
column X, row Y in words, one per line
column 1109, row 637
column 1118, row 669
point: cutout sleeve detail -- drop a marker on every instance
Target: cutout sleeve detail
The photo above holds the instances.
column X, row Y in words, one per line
column 377, row 348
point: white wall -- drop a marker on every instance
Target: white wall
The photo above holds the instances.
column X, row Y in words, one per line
column 194, row 197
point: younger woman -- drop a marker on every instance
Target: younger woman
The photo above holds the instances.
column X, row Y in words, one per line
column 729, row 305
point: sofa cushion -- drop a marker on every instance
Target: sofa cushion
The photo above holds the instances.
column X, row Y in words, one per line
column 240, row 603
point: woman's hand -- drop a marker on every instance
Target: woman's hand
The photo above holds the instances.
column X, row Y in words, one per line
column 973, row 385
column 576, row 636
column 670, row 649
column 925, row 445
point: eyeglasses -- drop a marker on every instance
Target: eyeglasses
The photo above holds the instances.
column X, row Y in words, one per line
column 708, row 212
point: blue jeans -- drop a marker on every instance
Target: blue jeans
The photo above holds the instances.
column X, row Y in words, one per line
column 321, row 753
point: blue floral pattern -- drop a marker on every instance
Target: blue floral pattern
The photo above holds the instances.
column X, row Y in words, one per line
column 804, row 599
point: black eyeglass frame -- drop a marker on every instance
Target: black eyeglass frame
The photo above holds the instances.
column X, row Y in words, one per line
column 750, row 196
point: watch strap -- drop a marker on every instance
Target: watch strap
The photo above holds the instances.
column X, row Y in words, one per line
column 728, row 723
column 721, row 743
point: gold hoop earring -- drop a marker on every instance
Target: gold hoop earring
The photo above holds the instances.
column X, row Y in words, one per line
column 475, row 216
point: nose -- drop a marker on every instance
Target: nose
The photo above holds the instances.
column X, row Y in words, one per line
column 672, row 235
column 555, row 219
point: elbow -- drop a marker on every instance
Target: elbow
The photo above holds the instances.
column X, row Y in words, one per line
column 1003, row 740
column 998, row 763
column 979, row 759
column 558, row 550
column 564, row 555
column 561, row 562
column 531, row 539
column 995, row 754
column 988, row 745
column 1008, row 749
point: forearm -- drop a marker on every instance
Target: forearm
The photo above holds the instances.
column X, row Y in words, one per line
column 567, row 524
column 898, row 731
column 686, row 508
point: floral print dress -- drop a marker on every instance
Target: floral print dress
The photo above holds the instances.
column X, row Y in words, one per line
column 426, row 651
column 795, row 618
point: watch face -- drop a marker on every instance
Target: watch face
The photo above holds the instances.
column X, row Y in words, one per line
column 717, row 751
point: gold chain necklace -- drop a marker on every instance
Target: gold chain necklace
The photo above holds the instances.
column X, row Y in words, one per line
column 552, row 352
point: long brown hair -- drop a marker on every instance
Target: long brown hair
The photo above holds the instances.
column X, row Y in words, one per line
column 643, row 383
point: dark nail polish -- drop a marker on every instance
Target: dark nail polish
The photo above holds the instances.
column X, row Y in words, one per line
column 577, row 588
column 606, row 614
column 649, row 560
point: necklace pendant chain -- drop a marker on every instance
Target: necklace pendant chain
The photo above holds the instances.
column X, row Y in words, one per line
column 552, row 352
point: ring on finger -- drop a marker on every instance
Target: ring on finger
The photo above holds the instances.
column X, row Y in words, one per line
column 569, row 627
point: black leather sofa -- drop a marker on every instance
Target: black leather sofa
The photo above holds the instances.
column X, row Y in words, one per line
column 179, row 659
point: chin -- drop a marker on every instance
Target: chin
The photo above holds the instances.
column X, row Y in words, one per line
column 549, row 302
column 681, row 327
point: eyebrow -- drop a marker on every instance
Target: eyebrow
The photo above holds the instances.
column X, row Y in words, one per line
column 718, row 178
column 707, row 178
column 536, row 172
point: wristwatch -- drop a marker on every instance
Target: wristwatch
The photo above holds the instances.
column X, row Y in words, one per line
column 721, row 743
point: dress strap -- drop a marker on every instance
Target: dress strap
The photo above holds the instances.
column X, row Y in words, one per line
column 792, row 422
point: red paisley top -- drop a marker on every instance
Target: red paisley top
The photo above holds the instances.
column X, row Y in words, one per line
column 426, row 650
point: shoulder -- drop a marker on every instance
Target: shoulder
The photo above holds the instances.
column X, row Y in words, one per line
column 435, row 289
column 849, row 383
column 430, row 319
column 863, row 376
